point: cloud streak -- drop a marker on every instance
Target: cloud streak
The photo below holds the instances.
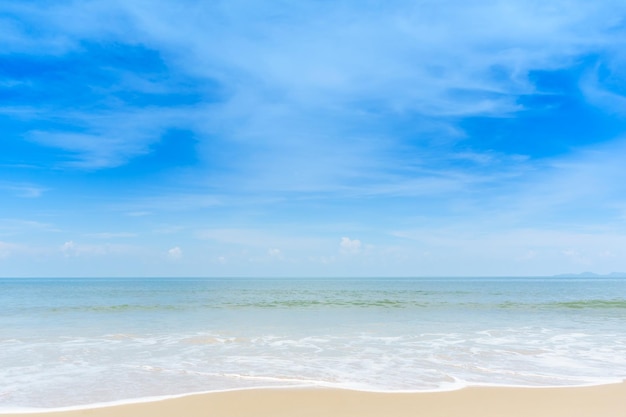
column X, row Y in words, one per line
column 298, row 81
column 23, row 190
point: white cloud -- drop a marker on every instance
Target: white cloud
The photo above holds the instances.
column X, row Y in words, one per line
column 69, row 248
column 308, row 73
column 175, row 253
column 350, row 246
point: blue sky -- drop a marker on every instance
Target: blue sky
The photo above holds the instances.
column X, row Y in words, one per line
column 312, row 138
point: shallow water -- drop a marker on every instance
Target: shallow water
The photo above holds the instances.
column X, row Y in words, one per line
column 66, row 342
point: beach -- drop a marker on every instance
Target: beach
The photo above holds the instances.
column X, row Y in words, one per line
column 380, row 346
column 312, row 208
column 594, row 401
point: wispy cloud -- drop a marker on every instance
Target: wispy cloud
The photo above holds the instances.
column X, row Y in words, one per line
column 23, row 190
column 170, row 201
column 306, row 82
column 584, row 188
column 72, row 249
column 11, row 226
column 605, row 93
column 278, row 121
column 107, row 139
column 514, row 251
column 265, row 239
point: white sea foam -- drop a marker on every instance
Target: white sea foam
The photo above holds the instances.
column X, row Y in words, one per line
column 425, row 336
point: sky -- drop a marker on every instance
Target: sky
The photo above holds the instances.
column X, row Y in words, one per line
column 312, row 138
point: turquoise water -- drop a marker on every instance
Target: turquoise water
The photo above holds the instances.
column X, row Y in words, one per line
column 104, row 340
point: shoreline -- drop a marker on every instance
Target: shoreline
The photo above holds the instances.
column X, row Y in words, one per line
column 605, row 400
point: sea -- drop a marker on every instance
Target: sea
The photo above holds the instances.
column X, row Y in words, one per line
column 82, row 342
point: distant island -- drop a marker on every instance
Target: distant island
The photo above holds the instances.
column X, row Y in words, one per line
column 592, row 275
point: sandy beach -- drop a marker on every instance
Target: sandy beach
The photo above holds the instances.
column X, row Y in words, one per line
column 594, row 401
column 314, row 348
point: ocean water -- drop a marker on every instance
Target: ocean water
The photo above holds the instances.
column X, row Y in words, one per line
column 76, row 342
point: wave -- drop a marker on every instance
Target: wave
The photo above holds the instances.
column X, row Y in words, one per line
column 383, row 303
column 593, row 304
column 118, row 308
